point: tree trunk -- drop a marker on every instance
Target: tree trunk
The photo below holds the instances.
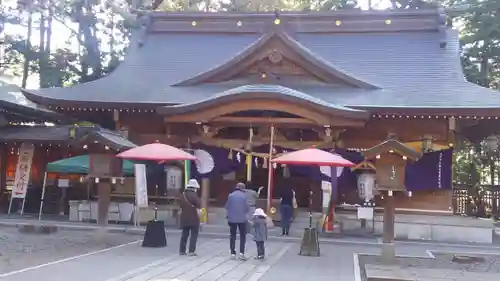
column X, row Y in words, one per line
column 484, row 70
column 27, row 54
column 42, row 57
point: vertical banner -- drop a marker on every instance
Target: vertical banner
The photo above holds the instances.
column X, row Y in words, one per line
column 141, row 188
column 334, row 178
column 187, row 165
column 23, row 171
column 249, row 163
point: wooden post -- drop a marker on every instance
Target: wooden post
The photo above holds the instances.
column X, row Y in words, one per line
column 103, row 201
column 388, row 251
column 3, row 168
column 205, row 196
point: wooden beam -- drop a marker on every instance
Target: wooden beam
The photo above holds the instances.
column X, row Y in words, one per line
column 261, row 120
column 232, row 143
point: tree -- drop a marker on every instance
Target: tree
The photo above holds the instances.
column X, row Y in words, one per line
column 480, row 38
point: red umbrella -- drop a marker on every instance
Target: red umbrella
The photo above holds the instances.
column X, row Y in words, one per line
column 313, row 156
column 156, row 152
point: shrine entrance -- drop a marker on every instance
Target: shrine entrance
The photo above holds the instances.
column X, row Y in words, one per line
column 246, row 122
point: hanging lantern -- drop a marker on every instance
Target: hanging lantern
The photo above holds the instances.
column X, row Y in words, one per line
column 286, row 171
column 427, row 143
column 230, row 155
column 492, row 143
column 366, row 185
column 72, row 132
column 124, row 132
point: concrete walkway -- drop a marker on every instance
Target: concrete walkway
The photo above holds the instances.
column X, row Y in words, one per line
column 134, row 263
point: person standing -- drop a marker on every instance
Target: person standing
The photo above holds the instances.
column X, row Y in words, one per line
column 237, row 217
column 259, row 232
column 190, row 205
column 286, row 209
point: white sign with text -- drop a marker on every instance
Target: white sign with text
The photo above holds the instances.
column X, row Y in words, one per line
column 141, row 186
column 23, row 171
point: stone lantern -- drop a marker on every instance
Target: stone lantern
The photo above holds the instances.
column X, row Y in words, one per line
column 390, row 157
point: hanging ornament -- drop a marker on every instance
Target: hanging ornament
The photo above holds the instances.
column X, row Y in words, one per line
column 256, row 161
column 264, row 165
column 238, row 157
column 204, row 161
column 230, row 155
column 286, row 171
column 275, row 165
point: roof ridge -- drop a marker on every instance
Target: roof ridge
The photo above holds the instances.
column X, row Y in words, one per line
column 309, row 15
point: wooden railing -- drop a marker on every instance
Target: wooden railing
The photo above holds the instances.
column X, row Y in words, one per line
column 467, row 201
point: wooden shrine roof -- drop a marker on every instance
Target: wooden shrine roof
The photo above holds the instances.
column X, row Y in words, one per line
column 60, row 135
column 18, row 108
column 390, row 61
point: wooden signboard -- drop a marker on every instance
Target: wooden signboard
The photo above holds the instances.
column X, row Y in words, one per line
column 105, row 166
column 390, row 174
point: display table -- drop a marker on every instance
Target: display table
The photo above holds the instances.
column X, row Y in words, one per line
column 86, row 210
column 155, row 236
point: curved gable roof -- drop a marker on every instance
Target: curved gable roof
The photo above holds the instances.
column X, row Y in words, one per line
column 313, row 59
column 264, row 91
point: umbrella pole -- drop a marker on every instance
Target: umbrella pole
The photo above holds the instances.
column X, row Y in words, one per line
column 270, row 173
column 42, row 198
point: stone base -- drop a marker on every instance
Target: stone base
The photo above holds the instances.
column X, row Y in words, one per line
column 100, row 234
column 388, row 253
column 37, row 229
column 310, row 243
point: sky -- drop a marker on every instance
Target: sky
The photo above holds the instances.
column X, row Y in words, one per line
column 61, row 33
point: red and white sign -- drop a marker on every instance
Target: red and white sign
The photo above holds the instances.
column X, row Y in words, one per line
column 23, row 171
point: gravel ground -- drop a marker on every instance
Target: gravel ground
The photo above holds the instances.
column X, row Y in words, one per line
column 491, row 263
column 19, row 250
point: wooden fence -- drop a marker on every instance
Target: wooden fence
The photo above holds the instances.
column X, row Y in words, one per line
column 466, row 201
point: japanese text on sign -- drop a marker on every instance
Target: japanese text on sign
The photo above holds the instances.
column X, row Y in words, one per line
column 23, row 171
column 141, row 190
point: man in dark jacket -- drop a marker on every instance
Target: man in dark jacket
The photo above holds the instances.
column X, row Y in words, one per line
column 190, row 219
column 237, row 217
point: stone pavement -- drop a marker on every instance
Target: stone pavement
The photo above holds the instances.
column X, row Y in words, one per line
column 213, row 263
column 426, row 274
column 455, row 265
column 131, row 262
column 134, row 263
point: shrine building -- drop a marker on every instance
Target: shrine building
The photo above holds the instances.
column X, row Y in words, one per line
column 341, row 80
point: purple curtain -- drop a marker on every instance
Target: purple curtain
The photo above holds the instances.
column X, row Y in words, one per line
column 431, row 172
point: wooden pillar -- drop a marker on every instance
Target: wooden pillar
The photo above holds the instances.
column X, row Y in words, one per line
column 3, row 168
column 205, row 196
column 116, row 118
column 103, row 202
column 4, row 203
column 388, row 251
